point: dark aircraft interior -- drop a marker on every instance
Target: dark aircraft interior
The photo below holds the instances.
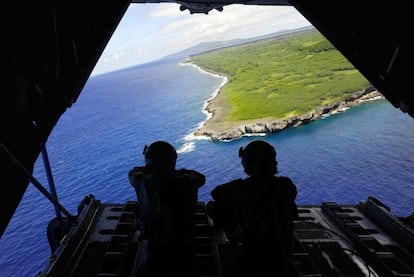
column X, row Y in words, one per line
column 51, row 47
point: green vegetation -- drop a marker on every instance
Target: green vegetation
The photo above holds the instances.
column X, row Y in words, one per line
column 282, row 76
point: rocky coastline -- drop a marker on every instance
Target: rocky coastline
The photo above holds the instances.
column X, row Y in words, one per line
column 267, row 126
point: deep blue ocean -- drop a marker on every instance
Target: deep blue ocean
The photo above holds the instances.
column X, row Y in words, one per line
column 367, row 150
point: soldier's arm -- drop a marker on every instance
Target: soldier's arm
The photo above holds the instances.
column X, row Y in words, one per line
column 136, row 174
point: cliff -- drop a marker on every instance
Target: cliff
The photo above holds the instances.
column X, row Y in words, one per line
column 221, row 131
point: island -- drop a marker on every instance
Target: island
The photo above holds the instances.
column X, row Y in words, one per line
column 279, row 82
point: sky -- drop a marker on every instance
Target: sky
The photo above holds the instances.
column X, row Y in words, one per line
column 150, row 31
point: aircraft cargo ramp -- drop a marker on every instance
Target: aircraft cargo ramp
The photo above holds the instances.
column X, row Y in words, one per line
column 331, row 239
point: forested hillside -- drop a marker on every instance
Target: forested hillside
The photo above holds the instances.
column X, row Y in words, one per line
column 281, row 77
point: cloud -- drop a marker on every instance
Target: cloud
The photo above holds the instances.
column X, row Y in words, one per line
column 238, row 21
column 150, row 31
column 165, row 10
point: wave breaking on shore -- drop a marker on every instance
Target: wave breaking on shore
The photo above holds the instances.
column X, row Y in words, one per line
column 205, row 110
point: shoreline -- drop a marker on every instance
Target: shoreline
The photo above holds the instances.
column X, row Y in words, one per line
column 224, row 78
column 217, row 130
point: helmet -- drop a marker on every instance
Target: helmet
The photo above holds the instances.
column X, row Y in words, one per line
column 258, row 158
column 160, row 155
